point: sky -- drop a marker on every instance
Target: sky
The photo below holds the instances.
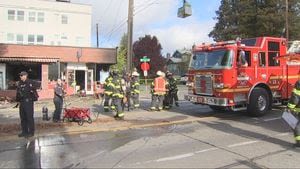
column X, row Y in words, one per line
column 153, row 17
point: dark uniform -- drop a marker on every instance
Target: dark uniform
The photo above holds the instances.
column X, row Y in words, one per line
column 26, row 95
column 294, row 105
column 135, row 91
column 58, row 102
column 117, row 96
column 172, row 92
column 108, row 91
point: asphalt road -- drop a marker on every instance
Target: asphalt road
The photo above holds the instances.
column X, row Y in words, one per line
column 231, row 140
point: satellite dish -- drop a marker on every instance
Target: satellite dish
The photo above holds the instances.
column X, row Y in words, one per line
column 185, row 10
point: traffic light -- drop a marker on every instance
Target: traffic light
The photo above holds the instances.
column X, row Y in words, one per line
column 185, row 10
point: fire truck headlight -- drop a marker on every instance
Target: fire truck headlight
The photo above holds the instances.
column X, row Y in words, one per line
column 219, row 85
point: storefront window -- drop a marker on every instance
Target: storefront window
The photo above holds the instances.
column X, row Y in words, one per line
column 13, row 70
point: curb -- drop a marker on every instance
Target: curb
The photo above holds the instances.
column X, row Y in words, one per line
column 9, row 128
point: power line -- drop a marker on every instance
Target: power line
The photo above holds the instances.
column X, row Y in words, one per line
column 114, row 30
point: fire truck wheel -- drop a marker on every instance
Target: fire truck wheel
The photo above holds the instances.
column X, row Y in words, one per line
column 259, row 102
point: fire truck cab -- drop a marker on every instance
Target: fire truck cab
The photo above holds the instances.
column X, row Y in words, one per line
column 245, row 74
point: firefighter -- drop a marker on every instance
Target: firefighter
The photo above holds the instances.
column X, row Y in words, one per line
column 125, row 83
column 135, row 89
column 172, row 90
column 26, row 95
column 242, row 62
column 117, row 96
column 58, row 100
column 108, row 91
column 294, row 106
column 158, row 91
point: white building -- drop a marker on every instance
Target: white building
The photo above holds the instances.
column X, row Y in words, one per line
column 45, row 22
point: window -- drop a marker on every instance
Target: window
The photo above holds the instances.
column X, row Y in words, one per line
column 20, row 15
column 246, row 59
column 212, row 59
column 273, row 48
column 31, row 16
column 10, row 37
column 79, row 40
column 262, row 59
column 31, row 39
column 64, row 19
column 20, row 38
column 64, row 36
column 11, row 14
column 40, row 17
column 40, row 39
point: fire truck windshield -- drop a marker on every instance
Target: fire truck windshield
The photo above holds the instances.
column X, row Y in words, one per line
column 215, row 59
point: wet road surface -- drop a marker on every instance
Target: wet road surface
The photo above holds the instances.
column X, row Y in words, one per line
column 235, row 141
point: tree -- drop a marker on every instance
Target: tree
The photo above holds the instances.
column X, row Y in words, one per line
column 149, row 46
column 122, row 53
column 253, row 18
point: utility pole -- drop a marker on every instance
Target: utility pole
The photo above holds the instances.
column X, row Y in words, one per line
column 97, row 35
column 129, row 33
column 287, row 19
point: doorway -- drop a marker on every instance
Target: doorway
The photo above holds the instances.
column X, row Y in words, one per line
column 80, row 79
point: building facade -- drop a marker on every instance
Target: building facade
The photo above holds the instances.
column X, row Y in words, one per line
column 45, row 22
column 50, row 39
column 79, row 67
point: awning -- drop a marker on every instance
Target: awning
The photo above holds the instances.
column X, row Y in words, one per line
column 29, row 59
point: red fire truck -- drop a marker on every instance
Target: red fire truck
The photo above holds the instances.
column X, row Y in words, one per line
column 246, row 74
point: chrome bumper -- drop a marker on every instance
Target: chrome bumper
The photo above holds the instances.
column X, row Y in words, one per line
column 207, row 100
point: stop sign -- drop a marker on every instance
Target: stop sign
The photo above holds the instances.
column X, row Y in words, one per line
column 145, row 66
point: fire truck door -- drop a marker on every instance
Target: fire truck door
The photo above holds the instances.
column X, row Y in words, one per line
column 261, row 73
column 245, row 71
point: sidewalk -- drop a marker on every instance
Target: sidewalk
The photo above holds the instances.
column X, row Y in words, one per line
column 102, row 121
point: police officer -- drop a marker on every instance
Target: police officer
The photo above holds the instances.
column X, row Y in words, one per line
column 135, row 89
column 158, row 91
column 26, row 95
column 117, row 96
column 58, row 100
column 294, row 105
column 108, row 91
column 172, row 90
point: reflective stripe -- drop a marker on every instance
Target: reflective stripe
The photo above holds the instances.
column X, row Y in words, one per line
column 112, row 107
column 111, row 84
column 121, row 114
column 291, row 106
column 108, row 93
column 106, row 107
column 152, row 108
column 137, row 105
column 297, row 92
column 160, row 108
column 118, row 95
column 297, row 138
column 136, row 91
